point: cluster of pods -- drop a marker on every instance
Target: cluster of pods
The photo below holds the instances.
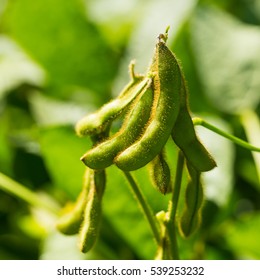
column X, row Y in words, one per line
column 154, row 108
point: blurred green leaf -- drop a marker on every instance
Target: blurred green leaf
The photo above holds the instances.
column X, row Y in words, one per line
column 16, row 246
column 61, row 150
column 16, row 67
column 60, row 247
column 255, row 8
column 58, row 35
column 243, row 236
column 227, row 58
column 108, row 13
column 52, row 112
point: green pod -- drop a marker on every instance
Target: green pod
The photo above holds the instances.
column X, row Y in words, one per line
column 100, row 182
column 191, row 218
column 103, row 154
column 160, row 174
column 72, row 215
column 89, row 229
column 185, row 137
column 167, row 83
column 97, row 122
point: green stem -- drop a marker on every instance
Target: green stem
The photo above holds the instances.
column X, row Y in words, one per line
column 238, row 141
column 9, row 185
column 173, row 203
column 146, row 209
column 177, row 186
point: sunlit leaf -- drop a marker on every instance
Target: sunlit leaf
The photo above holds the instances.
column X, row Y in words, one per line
column 227, row 58
column 49, row 111
column 16, row 67
column 58, row 35
column 60, row 247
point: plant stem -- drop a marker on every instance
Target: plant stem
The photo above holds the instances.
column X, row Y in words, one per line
column 177, row 185
column 146, row 209
column 9, row 185
column 173, row 203
column 238, row 141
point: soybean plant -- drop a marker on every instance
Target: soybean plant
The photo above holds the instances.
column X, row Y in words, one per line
column 154, row 107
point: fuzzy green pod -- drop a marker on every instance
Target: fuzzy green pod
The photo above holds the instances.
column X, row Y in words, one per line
column 92, row 215
column 72, row 215
column 103, row 154
column 97, row 122
column 185, row 137
column 160, row 174
column 191, row 217
column 167, row 84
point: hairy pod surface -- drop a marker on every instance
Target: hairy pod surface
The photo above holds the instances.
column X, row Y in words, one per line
column 160, row 174
column 96, row 123
column 191, row 217
column 167, row 84
column 69, row 223
column 185, row 137
column 92, row 215
column 103, row 154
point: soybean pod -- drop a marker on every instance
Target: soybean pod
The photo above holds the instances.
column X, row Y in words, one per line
column 69, row 222
column 103, row 154
column 160, row 174
column 167, row 84
column 97, row 122
column 92, row 215
column 191, row 217
column 185, row 137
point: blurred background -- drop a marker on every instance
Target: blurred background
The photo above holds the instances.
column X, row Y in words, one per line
column 60, row 60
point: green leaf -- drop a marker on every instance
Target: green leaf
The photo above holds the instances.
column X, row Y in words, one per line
column 52, row 112
column 58, row 35
column 57, row 246
column 61, row 150
column 227, row 58
column 16, row 67
column 243, row 236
